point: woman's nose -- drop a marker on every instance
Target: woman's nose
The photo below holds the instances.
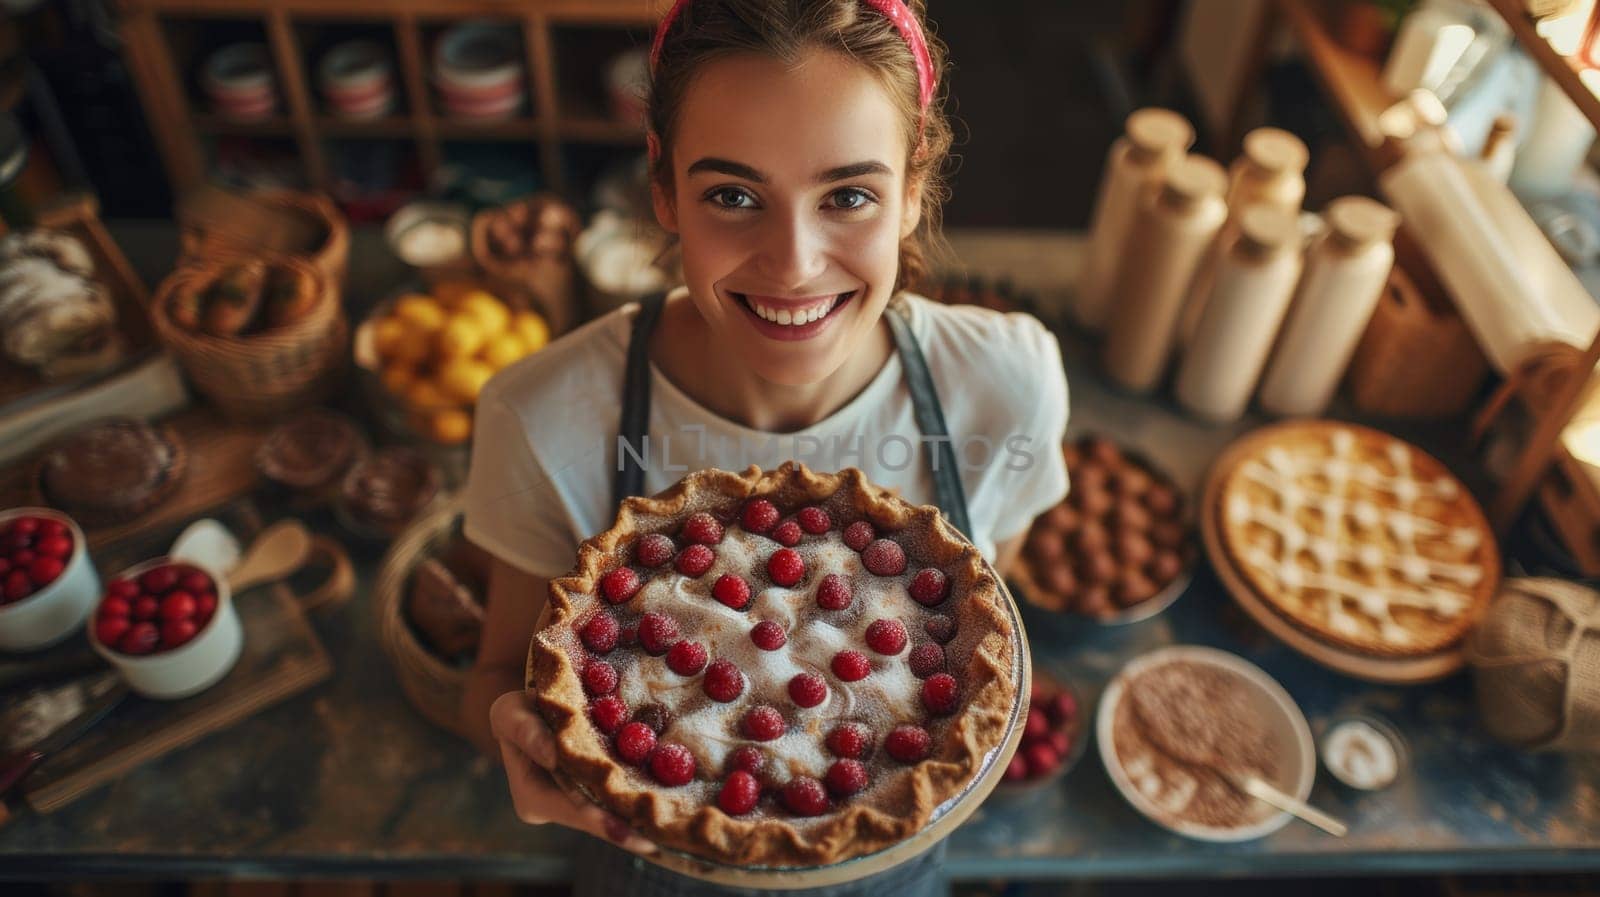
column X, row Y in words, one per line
column 793, row 251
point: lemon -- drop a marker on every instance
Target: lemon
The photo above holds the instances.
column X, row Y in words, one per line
column 412, row 346
column 532, row 328
column 397, row 378
column 491, row 311
column 386, row 335
column 451, row 426
column 422, row 312
column 462, row 337
column 504, row 349
column 463, row 379
column 425, row 395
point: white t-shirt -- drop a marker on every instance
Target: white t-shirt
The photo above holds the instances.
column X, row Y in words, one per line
column 545, row 443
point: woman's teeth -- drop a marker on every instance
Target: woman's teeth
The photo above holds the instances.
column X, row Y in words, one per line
column 795, row 317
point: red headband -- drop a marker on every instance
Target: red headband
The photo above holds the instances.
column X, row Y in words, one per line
column 893, row 10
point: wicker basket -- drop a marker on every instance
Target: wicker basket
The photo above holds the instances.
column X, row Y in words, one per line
column 265, row 374
column 548, row 285
column 332, row 258
column 432, row 686
column 1417, row 358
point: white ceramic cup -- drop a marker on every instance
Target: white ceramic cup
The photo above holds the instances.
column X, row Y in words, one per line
column 57, row 610
column 192, row 667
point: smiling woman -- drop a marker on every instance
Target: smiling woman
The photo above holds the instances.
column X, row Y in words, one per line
column 796, row 152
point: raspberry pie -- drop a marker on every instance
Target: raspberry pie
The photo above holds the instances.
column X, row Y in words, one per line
column 780, row 668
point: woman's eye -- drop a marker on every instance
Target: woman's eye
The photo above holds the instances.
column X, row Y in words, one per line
column 850, row 198
column 731, row 198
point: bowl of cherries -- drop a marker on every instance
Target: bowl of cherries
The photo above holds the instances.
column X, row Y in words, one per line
column 1053, row 737
column 169, row 627
column 47, row 583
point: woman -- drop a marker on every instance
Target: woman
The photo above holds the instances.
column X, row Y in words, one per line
column 796, row 155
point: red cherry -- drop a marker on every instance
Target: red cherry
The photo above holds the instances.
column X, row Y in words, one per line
column 926, row 659
column 5, row 566
column 123, row 588
column 723, row 681
column 177, row 632
column 654, row 550
column 695, row 560
column 204, row 605
column 768, row 635
column 109, row 630
column 1016, row 770
column 54, row 547
column 851, row 666
column 23, row 526
column 599, row 632
column 787, row 534
column 814, row 520
column 672, row 764
column 884, row 557
column 702, row 528
column 608, row 713
column 846, row 777
column 686, row 658
column 1036, row 726
column 807, row 689
column 115, row 607
column 194, row 582
column 908, row 744
column 759, row 516
column 887, row 637
column 141, row 638
column 43, row 571
column 599, row 677
column 159, row 580
column 732, row 591
column 635, row 741
column 834, row 592
column 929, row 587
column 18, row 585
column 1064, row 707
column 764, row 723
column 939, row 693
column 1042, row 759
column 23, row 557
column 849, row 740
column 178, row 605
column 805, row 796
column 619, row 585
column 739, row 793
column 18, row 541
column 749, row 758
column 785, row 567
column 146, row 607
column 53, row 529
column 657, row 633
column 859, row 535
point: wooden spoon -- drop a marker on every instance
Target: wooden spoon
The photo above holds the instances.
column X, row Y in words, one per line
column 281, row 549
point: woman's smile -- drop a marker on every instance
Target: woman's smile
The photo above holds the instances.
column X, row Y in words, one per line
column 791, row 319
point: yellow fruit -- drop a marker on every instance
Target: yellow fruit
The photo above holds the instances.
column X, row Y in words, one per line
column 413, row 346
column 464, row 379
column 491, row 311
column 532, row 328
column 425, row 395
column 386, row 335
column 451, row 292
column 422, row 312
column 397, row 379
column 462, row 337
column 451, row 426
column 504, row 349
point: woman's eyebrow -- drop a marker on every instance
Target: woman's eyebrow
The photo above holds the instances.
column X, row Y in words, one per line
column 740, row 170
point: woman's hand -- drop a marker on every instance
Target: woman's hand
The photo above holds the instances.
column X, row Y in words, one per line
column 528, row 748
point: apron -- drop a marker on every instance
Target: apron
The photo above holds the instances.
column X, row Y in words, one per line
column 604, row 869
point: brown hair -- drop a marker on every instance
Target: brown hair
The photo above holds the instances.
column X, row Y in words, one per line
column 785, row 29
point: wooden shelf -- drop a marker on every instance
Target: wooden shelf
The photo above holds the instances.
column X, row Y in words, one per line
column 514, row 129
column 600, row 130
column 1353, row 81
column 334, row 126
column 277, row 126
column 1564, row 70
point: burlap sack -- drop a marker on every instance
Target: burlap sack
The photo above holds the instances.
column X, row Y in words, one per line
column 1536, row 665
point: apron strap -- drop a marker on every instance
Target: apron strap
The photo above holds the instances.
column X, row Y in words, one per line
column 636, row 401
column 947, row 489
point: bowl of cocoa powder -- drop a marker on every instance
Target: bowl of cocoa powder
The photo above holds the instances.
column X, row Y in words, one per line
column 1179, row 728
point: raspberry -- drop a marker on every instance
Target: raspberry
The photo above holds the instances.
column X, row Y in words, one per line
column 939, row 693
column 808, row 689
column 834, row 593
column 653, row 550
column 805, row 796
column 814, row 520
column 635, row 741
column 599, row 677
column 908, row 744
column 851, row 666
column 785, row 567
column 929, row 587
column 849, row 740
column 846, row 777
column 886, row 637
column 619, row 585
column 695, row 560
column 1063, row 707
column 686, row 658
column 926, row 659
column 940, row 628
column 739, row 793
column 787, row 534
column 768, row 635
column 1016, row 770
column 608, row 713
column 764, row 723
column 859, row 535
column 731, row 590
column 600, row 633
column 141, row 638
column 703, row 529
column 747, row 758
column 759, row 516
column 884, row 557
column 657, row 633
column 723, row 681
column 1037, row 725
column 672, row 764
column 1042, row 759
column 655, row 716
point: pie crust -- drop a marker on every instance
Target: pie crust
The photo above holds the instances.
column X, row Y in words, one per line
column 900, row 798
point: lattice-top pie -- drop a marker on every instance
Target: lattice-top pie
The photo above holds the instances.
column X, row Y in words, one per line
column 776, row 669
column 1359, row 538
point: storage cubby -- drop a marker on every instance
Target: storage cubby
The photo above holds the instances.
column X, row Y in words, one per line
column 583, row 66
column 335, row 114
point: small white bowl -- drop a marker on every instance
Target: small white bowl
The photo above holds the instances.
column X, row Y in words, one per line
column 195, row 665
column 1298, row 762
column 57, row 610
